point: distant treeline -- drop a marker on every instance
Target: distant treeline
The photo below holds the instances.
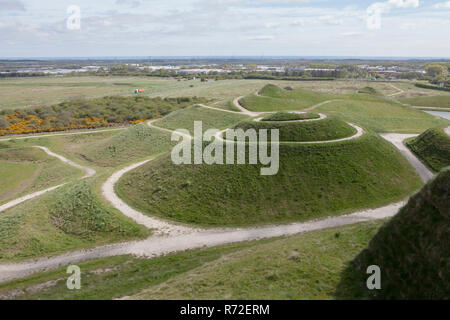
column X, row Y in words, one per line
column 429, row 86
column 291, row 78
column 82, row 113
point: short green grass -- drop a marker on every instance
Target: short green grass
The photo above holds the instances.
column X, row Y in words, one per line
column 226, row 105
column 24, row 170
column 211, row 119
column 136, row 142
column 429, row 101
column 305, row 266
column 289, row 116
column 433, row 148
column 381, row 115
column 313, row 181
column 272, row 98
column 69, row 218
column 368, row 90
column 327, row 129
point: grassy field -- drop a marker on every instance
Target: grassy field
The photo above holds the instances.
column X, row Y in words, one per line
column 211, row 119
column 287, row 116
column 24, row 170
column 313, row 181
column 429, row 101
column 69, row 218
column 411, row 250
column 305, row 266
column 381, row 115
column 326, row 129
column 433, row 148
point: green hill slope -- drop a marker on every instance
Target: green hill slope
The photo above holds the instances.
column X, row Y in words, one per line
column 211, row 119
column 137, row 142
column 433, row 148
column 326, row 129
column 25, row 170
column 313, row 181
column 68, row 218
column 287, row 116
column 429, row 101
column 412, row 250
column 273, row 98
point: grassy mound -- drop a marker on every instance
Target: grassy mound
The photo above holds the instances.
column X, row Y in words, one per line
column 313, row 181
column 326, row 129
column 273, row 98
column 433, row 148
column 69, row 218
column 412, row 250
column 288, row 116
column 211, row 119
column 429, row 101
column 25, row 170
column 368, row 90
column 304, row 266
column 381, row 115
column 134, row 143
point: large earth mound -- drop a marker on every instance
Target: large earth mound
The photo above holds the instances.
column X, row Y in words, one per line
column 433, row 147
column 412, row 250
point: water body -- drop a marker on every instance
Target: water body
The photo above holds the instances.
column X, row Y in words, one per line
column 442, row 114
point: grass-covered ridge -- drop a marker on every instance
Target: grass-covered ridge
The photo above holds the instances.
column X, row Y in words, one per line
column 273, row 98
column 327, row 129
column 381, row 115
column 429, row 101
column 290, row 116
column 433, row 148
column 66, row 219
column 25, row 170
column 411, row 250
column 211, row 119
column 368, row 90
column 136, row 142
column 313, row 181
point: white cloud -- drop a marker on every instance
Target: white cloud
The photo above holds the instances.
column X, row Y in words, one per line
column 442, row 5
column 298, row 22
column 260, row 38
column 331, row 20
column 351, row 34
column 375, row 10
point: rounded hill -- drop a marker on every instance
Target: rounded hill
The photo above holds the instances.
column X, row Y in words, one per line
column 411, row 250
column 323, row 130
column 433, row 147
column 312, row 181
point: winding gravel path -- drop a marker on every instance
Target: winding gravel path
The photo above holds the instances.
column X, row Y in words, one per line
column 359, row 133
column 60, row 134
column 88, row 173
column 399, row 91
column 397, row 140
column 171, row 238
column 160, row 226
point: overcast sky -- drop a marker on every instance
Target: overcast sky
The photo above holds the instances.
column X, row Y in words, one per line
column 402, row 28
